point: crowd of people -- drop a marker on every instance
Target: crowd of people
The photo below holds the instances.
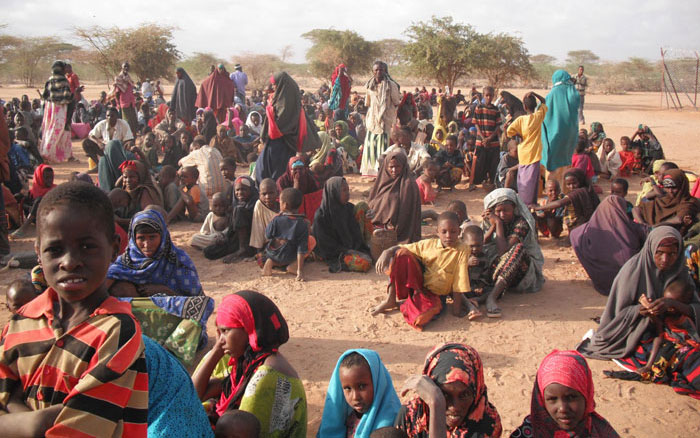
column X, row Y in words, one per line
column 103, row 325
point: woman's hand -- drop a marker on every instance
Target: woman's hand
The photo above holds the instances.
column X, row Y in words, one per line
column 426, row 389
column 384, row 261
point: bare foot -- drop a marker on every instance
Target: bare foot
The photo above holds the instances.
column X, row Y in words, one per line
column 267, row 269
column 385, row 307
column 292, row 268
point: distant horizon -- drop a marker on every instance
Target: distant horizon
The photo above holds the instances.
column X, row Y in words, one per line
column 614, row 31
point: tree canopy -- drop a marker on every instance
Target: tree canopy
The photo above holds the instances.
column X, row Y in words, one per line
column 198, row 65
column 503, row 58
column 30, row 58
column 332, row 47
column 149, row 49
column 581, row 57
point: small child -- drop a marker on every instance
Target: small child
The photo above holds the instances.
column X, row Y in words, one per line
column 619, row 187
column 681, row 291
column 167, row 178
column 265, row 210
column 626, row 156
column 428, row 194
column 194, row 203
column 446, row 273
column 460, row 209
column 551, row 222
column 237, row 424
column 581, row 159
column 75, row 245
column 228, row 168
column 288, row 235
column 356, row 403
column 610, row 161
column 638, row 163
column 19, row 293
column 507, row 172
column 215, row 225
column 451, row 162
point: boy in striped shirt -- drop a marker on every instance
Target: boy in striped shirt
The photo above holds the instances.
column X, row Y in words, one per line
column 71, row 360
column 487, row 120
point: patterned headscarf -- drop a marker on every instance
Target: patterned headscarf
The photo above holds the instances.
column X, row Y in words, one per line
column 570, row 369
column 449, row 363
column 266, row 329
column 169, row 266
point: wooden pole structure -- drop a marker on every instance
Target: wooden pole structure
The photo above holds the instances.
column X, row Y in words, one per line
column 670, row 79
column 697, row 68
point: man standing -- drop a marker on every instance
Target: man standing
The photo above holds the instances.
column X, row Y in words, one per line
column 125, row 93
column 581, row 82
column 383, row 98
column 240, row 79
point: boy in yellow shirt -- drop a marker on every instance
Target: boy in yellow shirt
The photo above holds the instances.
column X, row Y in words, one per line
column 529, row 128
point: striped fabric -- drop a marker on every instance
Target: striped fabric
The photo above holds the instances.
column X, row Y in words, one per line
column 57, row 90
column 488, row 117
column 97, row 369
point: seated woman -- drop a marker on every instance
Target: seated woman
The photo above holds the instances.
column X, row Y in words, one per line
column 671, row 204
column 607, row 241
column 563, row 378
column 109, row 166
column 41, row 184
column 326, row 162
column 624, row 328
column 152, row 264
column 347, row 141
column 335, row 228
column 301, row 178
column 580, row 202
column 452, row 380
column 261, row 380
column 395, row 198
column 143, row 191
column 650, row 147
column 510, row 244
column 254, row 123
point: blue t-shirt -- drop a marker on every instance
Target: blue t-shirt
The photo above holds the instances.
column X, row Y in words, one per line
column 288, row 235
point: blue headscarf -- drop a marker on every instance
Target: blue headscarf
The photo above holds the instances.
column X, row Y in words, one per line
column 170, row 266
column 384, row 408
column 560, row 128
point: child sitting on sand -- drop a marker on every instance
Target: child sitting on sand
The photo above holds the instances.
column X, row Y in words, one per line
column 460, row 209
column 19, row 293
column 265, row 210
column 507, row 171
column 215, row 224
column 428, row 194
column 551, row 221
column 581, row 159
column 478, row 270
column 360, row 397
column 228, row 168
column 193, row 204
column 167, row 178
column 445, row 262
column 626, row 156
column 75, row 246
column 288, row 235
column 619, row 187
column 451, row 162
column 610, row 160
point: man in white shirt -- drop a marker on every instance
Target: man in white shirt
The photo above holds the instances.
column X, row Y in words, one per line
column 112, row 128
column 207, row 160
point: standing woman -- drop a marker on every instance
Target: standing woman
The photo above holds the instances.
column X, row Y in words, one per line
column 560, row 127
column 184, row 95
column 383, row 98
column 55, row 143
column 286, row 130
column 124, row 88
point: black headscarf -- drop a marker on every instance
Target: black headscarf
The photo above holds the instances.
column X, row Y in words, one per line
column 584, row 199
column 335, row 228
column 209, row 125
column 184, row 96
column 286, row 105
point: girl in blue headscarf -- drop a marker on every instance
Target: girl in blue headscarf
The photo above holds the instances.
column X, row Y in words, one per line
column 560, row 128
column 152, row 263
column 360, row 398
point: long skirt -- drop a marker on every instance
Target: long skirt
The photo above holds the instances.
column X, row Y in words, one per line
column 528, row 180
column 375, row 145
column 55, row 142
column 272, row 161
column 420, row 305
column 129, row 114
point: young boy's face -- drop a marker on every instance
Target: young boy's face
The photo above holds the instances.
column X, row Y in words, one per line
column 608, row 146
column 488, row 96
column 74, row 251
column 638, row 154
column 228, row 171
column 552, row 190
column 358, row 387
column 242, row 192
column 448, row 232
column 148, row 243
column 451, row 146
column 48, row 177
column 187, row 178
column 432, row 171
column 571, row 182
column 475, row 245
column 268, row 195
column 618, row 190
column 218, row 206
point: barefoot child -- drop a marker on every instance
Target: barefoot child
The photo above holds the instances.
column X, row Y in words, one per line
column 507, row 171
column 609, row 159
column 265, row 210
column 478, row 270
column 360, row 397
column 19, row 293
column 619, row 187
column 460, row 209
column 451, row 162
column 551, row 221
column 446, row 272
column 193, row 204
column 428, row 194
column 75, row 246
column 288, row 235
column 167, row 181
column 215, row 225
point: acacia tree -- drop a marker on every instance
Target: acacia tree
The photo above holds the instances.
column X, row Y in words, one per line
column 27, row 55
column 198, row 65
column 441, row 50
column 332, row 47
column 581, row 57
column 502, row 58
column 149, row 48
column 391, row 50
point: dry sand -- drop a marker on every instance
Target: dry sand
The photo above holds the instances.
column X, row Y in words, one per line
column 329, row 313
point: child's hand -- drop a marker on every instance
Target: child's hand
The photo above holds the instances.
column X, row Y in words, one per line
column 473, row 260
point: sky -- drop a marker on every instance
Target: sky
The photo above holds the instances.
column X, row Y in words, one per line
column 614, row 29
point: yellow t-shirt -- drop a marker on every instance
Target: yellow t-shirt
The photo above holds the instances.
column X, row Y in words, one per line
column 446, row 269
column 529, row 127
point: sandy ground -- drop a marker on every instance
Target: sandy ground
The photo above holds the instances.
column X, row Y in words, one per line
column 329, row 313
